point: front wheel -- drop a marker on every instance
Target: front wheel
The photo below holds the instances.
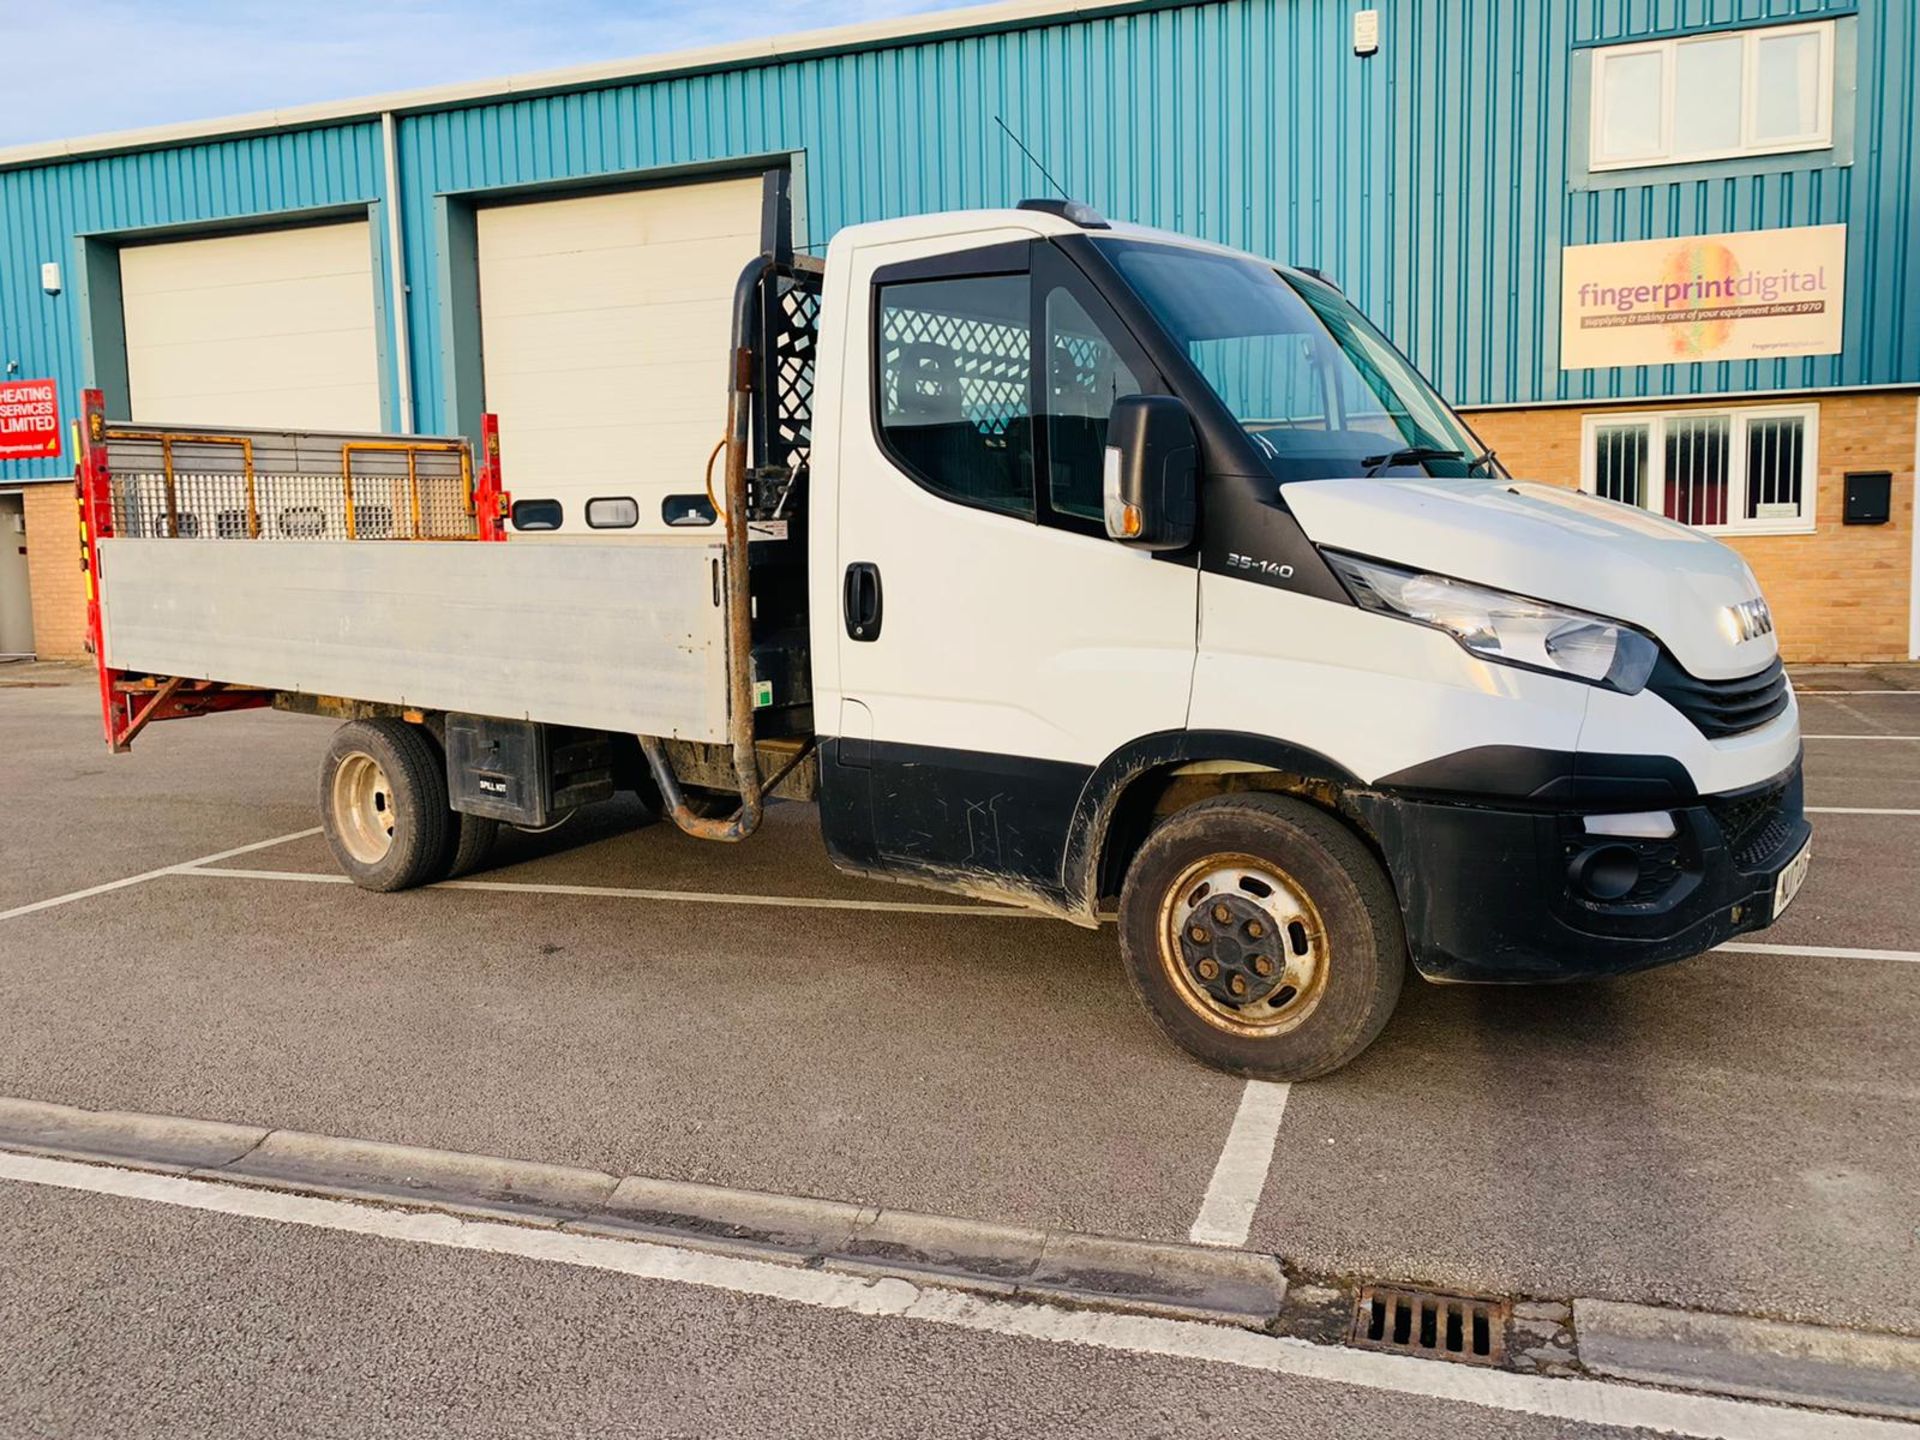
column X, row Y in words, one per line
column 1262, row 936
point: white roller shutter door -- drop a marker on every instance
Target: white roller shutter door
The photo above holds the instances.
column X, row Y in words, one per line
column 604, row 322
column 268, row 328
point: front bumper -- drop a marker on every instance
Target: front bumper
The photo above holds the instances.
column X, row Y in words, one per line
column 1501, row 895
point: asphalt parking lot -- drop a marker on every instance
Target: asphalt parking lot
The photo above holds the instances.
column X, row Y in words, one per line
column 1739, row 1133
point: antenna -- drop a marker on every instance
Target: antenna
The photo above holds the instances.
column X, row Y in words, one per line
column 1033, row 157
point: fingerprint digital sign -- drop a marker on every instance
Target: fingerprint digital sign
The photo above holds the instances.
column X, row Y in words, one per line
column 1756, row 294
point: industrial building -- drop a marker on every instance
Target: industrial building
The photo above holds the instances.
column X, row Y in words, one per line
column 1665, row 250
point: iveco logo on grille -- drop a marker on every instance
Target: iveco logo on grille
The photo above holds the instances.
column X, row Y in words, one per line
column 1748, row 620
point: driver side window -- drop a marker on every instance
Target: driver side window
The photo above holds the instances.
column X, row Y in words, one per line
column 1084, row 376
column 954, row 408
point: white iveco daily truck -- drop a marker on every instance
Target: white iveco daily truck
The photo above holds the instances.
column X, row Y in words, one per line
column 1082, row 567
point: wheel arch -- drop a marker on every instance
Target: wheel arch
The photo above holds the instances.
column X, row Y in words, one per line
column 1133, row 786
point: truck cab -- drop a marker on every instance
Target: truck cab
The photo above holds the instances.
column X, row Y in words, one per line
column 1559, row 724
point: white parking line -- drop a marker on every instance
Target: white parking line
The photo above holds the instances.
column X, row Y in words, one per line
column 1860, row 737
column 1855, row 810
column 621, row 892
column 183, row 866
column 1589, row 1402
column 1822, row 952
column 1855, row 714
column 1829, row 693
column 1226, row 1214
column 224, row 873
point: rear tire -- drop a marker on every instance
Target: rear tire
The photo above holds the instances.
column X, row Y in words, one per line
column 469, row 837
column 383, row 804
column 469, row 842
column 1262, row 936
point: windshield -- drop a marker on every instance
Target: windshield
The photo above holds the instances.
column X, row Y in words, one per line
column 1321, row 392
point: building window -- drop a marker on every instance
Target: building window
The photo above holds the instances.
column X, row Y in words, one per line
column 1710, row 97
column 536, row 515
column 1747, row 471
column 954, row 381
column 613, row 512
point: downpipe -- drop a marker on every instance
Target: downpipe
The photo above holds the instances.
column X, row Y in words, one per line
column 746, row 764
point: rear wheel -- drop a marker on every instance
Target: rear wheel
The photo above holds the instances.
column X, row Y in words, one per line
column 1262, row 936
column 470, row 838
column 383, row 804
column 469, row 842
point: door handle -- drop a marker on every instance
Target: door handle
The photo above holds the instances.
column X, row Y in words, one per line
column 862, row 597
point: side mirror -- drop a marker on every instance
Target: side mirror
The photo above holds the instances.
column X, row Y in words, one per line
column 1148, row 479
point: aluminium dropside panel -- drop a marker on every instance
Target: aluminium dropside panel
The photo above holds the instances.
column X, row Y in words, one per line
column 629, row 638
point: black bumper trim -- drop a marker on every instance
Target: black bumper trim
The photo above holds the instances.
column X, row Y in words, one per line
column 1489, row 893
column 1549, row 777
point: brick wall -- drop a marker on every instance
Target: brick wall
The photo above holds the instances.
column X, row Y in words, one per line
column 1839, row 594
column 53, row 569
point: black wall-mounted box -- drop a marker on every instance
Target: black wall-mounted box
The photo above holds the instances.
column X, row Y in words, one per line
column 1869, row 497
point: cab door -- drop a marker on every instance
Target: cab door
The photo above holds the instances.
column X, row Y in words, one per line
column 994, row 645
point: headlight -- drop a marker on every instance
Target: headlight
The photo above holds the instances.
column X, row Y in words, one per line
column 1509, row 629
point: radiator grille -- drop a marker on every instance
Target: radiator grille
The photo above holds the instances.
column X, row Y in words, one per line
column 1753, row 825
column 1719, row 708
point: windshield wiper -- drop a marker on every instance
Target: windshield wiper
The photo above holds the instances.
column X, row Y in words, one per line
column 1485, row 457
column 1412, row 455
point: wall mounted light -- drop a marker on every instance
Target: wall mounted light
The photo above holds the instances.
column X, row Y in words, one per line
column 50, row 277
column 1366, row 31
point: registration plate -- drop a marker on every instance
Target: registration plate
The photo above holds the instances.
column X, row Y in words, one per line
column 1787, row 884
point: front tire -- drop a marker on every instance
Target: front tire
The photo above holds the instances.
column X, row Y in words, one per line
column 383, row 804
column 1262, row 936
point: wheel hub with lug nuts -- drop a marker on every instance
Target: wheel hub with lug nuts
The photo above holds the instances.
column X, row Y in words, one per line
column 1232, row 947
column 1245, row 944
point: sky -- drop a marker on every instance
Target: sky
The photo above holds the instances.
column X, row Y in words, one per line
column 81, row 67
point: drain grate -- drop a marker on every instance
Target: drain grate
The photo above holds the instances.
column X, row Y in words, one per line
column 1439, row 1327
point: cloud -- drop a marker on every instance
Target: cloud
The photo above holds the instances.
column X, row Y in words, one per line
column 80, row 67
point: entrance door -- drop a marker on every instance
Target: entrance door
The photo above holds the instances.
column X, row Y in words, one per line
column 16, row 598
column 998, row 643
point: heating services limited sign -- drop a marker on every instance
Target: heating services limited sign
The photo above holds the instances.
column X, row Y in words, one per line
column 29, row 420
column 1750, row 295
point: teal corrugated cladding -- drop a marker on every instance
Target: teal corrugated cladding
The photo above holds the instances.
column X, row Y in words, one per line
column 1432, row 180
column 44, row 208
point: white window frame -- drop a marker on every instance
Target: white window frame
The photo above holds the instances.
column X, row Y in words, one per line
column 1740, row 416
column 1671, row 154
